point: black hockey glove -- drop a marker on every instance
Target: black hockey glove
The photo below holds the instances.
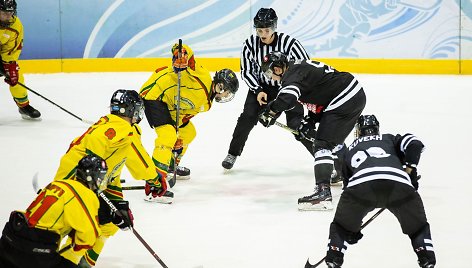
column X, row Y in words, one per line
column 306, row 130
column 267, row 117
column 105, row 215
column 125, row 220
column 353, row 238
column 414, row 177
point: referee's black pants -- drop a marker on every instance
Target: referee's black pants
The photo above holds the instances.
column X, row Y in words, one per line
column 249, row 118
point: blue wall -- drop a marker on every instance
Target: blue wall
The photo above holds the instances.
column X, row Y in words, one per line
column 433, row 29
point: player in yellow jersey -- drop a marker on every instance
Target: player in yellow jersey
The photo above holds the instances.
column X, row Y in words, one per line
column 63, row 208
column 11, row 44
column 197, row 92
column 116, row 138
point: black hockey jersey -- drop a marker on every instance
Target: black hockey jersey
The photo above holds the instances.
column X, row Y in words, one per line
column 378, row 157
column 316, row 85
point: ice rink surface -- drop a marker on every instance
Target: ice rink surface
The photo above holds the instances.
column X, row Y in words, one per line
column 249, row 218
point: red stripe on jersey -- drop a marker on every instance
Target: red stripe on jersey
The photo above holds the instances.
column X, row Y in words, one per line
column 76, row 195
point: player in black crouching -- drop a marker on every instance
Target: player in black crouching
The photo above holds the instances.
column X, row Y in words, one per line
column 334, row 99
column 380, row 172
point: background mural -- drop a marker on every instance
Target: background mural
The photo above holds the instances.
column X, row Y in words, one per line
column 404, row 29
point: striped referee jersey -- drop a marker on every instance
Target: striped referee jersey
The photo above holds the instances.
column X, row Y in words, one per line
column 254, row 51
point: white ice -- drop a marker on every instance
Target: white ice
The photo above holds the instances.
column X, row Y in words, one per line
column 249, row 218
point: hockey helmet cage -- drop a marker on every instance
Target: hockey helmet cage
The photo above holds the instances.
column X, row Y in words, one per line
column 91, row 170
column 272, row 60
column 127, row 103
column 367, row 125
column 229, row 81
column 265, row 18
column 8, row 6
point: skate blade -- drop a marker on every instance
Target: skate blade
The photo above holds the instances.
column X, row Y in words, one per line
column 321, row 206
column 226, row 171
column 162, row 200
column 339, row 183
column 183, row 178
column 178, row 177
column 25, row 117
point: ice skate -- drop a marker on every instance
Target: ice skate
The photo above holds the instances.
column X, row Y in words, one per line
column 29, row 113
column 183, row 173
column 228, row 162
column 336, row 178
column 321, row 199
column 167, row 198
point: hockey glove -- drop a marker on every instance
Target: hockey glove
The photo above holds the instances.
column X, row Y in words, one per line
column 104, row 212
column 306, row 130
column 156, row 187
column 352, row 238
column 125, row 220
column 179, row 63
column 414, row 177
column 178, row 147
column 11, row 72
column 267, row 117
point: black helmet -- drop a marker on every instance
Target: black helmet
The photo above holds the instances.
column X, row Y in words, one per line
column 8, row 6
column 265, row 18
column 92, row 170
column 127, row 103
column 230, row 83
column 367, row 125
column 272, row 60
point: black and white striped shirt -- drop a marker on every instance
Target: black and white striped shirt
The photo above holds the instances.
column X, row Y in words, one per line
column 254, row 51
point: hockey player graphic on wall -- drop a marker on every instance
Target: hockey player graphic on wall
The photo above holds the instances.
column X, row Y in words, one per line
column 382, row 18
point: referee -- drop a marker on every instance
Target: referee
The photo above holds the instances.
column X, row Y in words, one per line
column 262, row 89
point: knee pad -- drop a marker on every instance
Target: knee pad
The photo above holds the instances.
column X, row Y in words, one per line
column 324, row 162
column 350, row 237
column 323, row 145
column 187, row 133
column 166, row 136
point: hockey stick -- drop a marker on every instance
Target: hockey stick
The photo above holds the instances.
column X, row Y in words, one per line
column 293, row 131
column 115, row 210
column 132, row 187
column 177, row 113
column 309, row 265
column 37, row 94
column 140, row 238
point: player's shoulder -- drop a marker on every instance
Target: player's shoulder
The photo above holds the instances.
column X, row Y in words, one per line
column 113, row 127
column 17, row 24
column 72, row 187
column 16, row 27
column 162, row 70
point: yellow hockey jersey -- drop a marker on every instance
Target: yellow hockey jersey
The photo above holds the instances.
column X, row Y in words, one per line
column 118, row 143
column 67, row 208
column 11, row 41
column 195, row 91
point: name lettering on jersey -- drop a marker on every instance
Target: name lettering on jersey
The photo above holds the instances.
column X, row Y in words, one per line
column 365, row 138
column 319, row 64
column 56, row 189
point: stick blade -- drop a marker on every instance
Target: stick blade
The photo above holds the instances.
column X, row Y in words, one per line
column 308, row 264
column 35, row 183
